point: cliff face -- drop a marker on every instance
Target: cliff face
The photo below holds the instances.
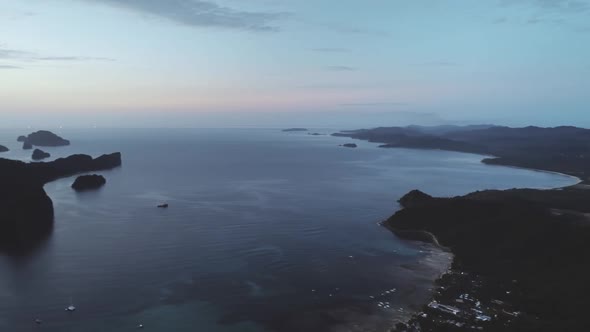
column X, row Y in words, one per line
column 27, row 217
column 26, row 212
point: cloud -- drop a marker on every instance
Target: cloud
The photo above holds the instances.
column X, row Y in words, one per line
column 200, row 13
column 10, row 67
column 571, row 6
column 357, row 31
column 331, row 50
column 73, row 58
column 21, row 56
column 374, row 104
column 437, row 64
column 12, row 54
column 26, row 56
column 563, row 6
column 563, row 13
column 344, row 29
column 557, row 12
column 15, row 15
column 340, row 68
column 537, row 20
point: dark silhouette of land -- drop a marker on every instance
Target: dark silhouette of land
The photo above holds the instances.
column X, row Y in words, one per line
column 294, row 129
column 3, row 148
column 88, row 182
column 560, row 149
column 44, row 138
column 522, row 258
column 40, row 155
column 26, row 212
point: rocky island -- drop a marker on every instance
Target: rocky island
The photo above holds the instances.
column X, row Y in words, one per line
column 3, row 148
column 88, row 182
column 40, row 155
column 44, row 138
column 349, row 145
column 26, row 212
column 294, row 129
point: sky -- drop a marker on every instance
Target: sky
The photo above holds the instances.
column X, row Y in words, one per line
column 322, row 63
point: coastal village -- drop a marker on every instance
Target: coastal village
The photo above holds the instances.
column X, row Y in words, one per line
column 463, row 302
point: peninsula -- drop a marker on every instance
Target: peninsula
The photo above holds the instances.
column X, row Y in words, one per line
column 521, row 259
column 560, row 149
column 26, row 212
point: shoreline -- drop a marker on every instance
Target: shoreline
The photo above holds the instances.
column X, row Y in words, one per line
column 456, row 275
column 556, row 149
column 483, row 157
column 580, row 181
column 432, row 240
column 416, row 236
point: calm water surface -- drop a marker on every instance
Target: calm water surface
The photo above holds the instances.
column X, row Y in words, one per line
column 266, row 231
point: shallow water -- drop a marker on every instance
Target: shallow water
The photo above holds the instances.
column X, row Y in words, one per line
column 266, row 231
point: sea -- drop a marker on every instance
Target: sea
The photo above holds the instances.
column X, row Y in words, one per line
column 265, row 231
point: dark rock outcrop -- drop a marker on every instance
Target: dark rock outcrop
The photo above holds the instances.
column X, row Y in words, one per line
column 88, row 182
column 349, row 145
column 21, row 138
column 3, row 148
column 40, row 155
column 26, row 212
column 27, row 145
column 46, row 138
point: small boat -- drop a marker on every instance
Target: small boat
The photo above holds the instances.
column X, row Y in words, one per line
column 163, row 206
column 71, row 307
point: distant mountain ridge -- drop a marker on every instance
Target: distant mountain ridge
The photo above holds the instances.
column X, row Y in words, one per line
column 564, row 149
